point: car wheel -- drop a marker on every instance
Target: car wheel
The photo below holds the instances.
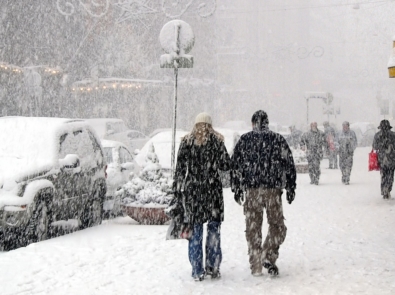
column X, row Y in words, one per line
column 92, row 215
column 39, row 223
column 96, row 215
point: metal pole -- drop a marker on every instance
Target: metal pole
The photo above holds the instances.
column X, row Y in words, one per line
column 173, row 151
column 173, row 142
column 327, row 110
column 307, row 102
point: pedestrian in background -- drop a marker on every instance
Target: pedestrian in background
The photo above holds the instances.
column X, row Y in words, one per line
column 312, row 143
column 202, row 153
column 294, row 137
column 347, row 145
column 331, row 145
column 384, row 144
column 262, row 166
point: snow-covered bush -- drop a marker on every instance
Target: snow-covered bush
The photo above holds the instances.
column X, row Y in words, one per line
column 299, row 156
column 151, row 187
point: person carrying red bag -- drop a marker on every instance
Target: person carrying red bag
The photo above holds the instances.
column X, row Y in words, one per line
column 384, row 144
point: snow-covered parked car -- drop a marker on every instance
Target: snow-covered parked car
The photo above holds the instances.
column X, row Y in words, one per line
column 116, row 129
column 121, row 167
column 162, row 142
column 52, row 173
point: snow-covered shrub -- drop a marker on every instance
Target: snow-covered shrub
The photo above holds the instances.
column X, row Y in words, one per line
column 299, row 156
column 151, row 186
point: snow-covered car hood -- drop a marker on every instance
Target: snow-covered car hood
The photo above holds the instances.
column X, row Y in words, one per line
column 13, row 170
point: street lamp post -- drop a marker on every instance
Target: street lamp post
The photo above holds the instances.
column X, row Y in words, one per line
column 177, row 39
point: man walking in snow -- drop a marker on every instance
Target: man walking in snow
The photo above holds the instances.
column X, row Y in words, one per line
column 313, row 143
column 384, row 143
column 262, row 166
column 347, row 145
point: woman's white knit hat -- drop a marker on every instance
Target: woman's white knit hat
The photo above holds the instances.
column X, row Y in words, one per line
column 203, row 118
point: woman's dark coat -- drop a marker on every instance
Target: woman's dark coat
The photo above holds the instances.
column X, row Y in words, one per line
column 197, row 181
column 384, row 143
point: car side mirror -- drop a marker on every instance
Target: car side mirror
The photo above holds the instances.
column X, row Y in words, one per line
column 136, row 152
column 71, row 161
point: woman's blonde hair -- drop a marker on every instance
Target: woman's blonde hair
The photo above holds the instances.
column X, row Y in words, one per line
column 201, row 133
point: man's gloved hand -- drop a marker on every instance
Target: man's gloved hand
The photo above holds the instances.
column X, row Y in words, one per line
column 239, row 197
column 290, row 195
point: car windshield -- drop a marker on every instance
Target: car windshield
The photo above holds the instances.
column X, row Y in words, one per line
column 108, row 155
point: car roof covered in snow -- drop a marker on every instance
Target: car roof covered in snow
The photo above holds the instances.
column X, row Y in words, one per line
column 99, row 124
column 27, row 143
column 112, row 144
column 162, row 144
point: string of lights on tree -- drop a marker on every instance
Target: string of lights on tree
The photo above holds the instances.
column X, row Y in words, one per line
column 101, row 84
column 9, row 68
column 106, row 87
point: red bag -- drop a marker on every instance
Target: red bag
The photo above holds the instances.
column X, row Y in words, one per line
column 373, row 161
column 331, row 142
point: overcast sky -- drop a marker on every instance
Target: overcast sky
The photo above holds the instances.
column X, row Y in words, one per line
column 341, row 47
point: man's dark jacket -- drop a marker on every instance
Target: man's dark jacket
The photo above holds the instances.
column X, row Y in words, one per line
column 262, row 158
column 384, row 143
column 197, row 180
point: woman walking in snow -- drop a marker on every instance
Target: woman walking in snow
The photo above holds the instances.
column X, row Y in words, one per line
column 201, row 155
column 384, row 144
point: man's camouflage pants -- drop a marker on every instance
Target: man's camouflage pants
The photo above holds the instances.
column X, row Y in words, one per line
column 256, row 200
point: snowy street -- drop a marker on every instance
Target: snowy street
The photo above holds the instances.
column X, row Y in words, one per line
column 340, row 241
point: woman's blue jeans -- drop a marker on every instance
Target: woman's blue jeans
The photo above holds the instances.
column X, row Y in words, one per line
column 213, row 247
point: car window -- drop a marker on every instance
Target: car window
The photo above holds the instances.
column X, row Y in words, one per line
column 85, row 149
column 125, row 156
column 68, row 145
column 108, row 155
column 95, row 143
column 80, row 143
column 135, row 135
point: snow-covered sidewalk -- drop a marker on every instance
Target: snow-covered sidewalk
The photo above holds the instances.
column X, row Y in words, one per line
column 340, row 241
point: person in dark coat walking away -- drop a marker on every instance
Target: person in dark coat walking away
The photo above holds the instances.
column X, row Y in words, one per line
column 202, row 153
column 347, row 145
column 331, row 145
column 313, row 143
column 384, row 144
column 262, row 166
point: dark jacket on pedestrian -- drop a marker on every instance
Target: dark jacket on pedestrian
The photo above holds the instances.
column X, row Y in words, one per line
column 347, row 143
column 196, row 178
column 313, row 142
column 384, row 143
column 262, row 158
